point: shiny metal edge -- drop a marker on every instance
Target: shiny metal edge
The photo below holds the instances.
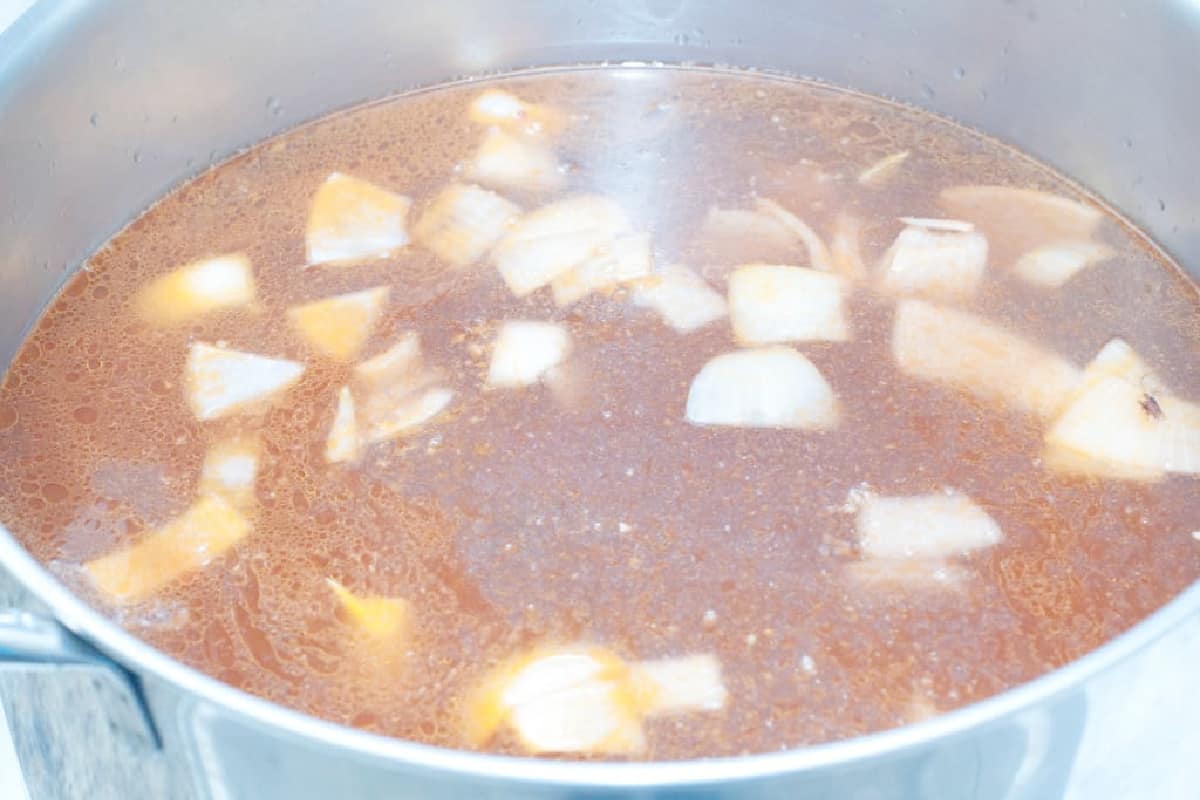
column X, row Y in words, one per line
column 131, row 652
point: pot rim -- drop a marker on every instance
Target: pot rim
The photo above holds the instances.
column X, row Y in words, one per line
column 81, row 618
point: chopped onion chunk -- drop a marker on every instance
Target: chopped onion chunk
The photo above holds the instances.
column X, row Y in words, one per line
column 939, row 263
column 500, row 108
column 1047, row 239
column 187, row 543
column 626, row 259
column 768, row 387
column 352, row 220
column 388, row 420
column 770, row 303
column 586, row 699
column 378, row 616
column 567, row 700
column 556, row 238
column 735, row 236
column 507, row 161
column 1028, row 216
column 1117, row 359
column 525, row 351
column 677, row 685
column 845, row 248
column 933, row 224
column 1053, row 265
column 399, row 365
column 682, row 298
column 980, row 358
column 210, row 284
column 906, row 574
column 339, row 326
column 229, row 470
column 1123, row 423
column 343, row 444
column 463, row 222
column 878, row 173
column 397, row 392
column 818, row 253
column 221, row 382
column 931, row 526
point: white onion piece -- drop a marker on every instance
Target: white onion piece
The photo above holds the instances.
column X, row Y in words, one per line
column 934, row 263
column 556, row 238
column 771, row 303
column 381, row 617
column 559, row 670
column 352, row 219
column 463, row 222
column 679, row 685
column 1052, row 265
column 907, row 574
column 681, row 297
column 533, row 264
column 339, row 326
column 1128, row 432
column 189, row 542
column 934, row 224
column 818, row 253
column 574, row 700
column 398, row 366
column 343, row 445
column 588, row 718
column 210, row 284
column 585, row 699
column 1118, row 359
column 221, row 381
column 390, row 417
column 980, row 358
column 230, row 467
column 921, row 708
column 1123, row 423
column 508, row 161
column 1022, row 219
column 882, row 170
column 496, row 106
column 769, row 387
column 581, row 213
column 735, row 236
column 845, row 248
column 500, row 108
column 930, row 526
column 395, row 392
column 525, row 351
column 625, row 259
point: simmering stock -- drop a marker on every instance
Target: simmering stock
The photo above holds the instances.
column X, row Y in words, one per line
column 623, row 412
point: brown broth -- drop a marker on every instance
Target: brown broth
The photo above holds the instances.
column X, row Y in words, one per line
column 502, row 521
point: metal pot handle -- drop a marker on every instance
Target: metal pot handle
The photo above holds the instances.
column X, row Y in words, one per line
column 27, row 638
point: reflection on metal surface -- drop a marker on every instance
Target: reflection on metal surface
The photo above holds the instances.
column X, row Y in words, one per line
column 12, row 780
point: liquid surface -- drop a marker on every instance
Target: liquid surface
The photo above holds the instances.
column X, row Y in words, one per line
column 600, row 514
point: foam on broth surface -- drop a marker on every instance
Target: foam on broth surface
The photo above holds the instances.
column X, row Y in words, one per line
column 596, row 512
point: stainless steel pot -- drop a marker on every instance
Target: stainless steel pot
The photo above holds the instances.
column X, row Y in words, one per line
column 103, row 107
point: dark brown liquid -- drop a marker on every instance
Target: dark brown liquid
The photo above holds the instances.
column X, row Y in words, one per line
column 520, row 518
